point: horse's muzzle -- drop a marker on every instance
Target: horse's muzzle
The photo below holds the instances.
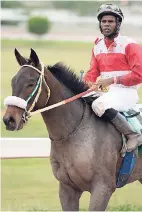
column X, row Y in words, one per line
column 13, row 118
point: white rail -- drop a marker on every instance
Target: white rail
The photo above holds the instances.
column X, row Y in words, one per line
column 25, row 147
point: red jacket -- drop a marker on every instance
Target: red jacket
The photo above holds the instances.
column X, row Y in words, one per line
column 123, row 57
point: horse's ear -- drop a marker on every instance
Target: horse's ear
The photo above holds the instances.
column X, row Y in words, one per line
column 34, row 58
column 21, row 60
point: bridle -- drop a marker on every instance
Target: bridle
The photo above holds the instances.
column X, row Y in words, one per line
column 21, row 103
column 38, row 86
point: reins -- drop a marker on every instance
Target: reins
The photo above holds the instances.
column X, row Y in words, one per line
column 21, row 103
column 62, row 102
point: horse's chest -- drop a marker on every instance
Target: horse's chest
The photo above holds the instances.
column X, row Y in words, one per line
column 70, row 166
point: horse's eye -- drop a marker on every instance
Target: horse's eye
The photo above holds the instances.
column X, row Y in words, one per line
column 31, row 85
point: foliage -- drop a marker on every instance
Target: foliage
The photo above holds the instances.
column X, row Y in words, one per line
column 11, row 4
column 38, row 25
column 81, row 7
column 9, row 23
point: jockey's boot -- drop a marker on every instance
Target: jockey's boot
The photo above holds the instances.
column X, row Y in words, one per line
column 119, row 121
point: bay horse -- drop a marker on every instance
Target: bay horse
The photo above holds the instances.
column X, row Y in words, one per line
column 85, row 150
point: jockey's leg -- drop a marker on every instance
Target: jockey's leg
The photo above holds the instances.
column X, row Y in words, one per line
column 119, row 121
column 119, row 101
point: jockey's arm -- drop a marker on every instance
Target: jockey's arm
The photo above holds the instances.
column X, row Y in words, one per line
column 93, row 72
column 134, row 57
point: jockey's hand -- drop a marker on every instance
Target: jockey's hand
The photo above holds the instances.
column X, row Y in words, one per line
column 92, row 85
column 104, row 83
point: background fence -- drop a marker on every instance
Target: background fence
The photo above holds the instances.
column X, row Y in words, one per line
column 25, row 147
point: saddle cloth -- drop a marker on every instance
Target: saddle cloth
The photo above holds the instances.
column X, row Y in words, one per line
column 134, row 117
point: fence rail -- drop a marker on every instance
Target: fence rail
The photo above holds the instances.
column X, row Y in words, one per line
column 25, row 148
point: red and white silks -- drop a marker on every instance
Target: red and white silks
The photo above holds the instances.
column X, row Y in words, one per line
column 123, row 60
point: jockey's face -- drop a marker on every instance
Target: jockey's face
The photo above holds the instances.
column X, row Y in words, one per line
column 108, row 25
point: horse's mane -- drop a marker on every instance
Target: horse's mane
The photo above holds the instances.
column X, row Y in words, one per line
column 69, row 79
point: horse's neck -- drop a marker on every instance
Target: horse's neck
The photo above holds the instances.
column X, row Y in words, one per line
column 63, row 120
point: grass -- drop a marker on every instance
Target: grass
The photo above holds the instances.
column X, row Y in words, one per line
column 29, row 185
column 7, row 43
column 75, row 54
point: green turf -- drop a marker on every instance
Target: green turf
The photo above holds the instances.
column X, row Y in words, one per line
column 75, row 54
column 28, row 184
column 45, row 44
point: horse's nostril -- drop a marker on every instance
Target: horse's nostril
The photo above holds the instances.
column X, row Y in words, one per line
column 9, row 122
column 5, row 120
column 11, row 119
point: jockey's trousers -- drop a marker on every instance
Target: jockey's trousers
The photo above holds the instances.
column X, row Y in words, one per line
column 120, row 98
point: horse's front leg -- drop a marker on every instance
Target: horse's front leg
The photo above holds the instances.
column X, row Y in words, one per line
column 69, row 197
column 100, row 196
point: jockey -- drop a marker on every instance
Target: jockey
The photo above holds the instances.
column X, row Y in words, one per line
column 117, row 61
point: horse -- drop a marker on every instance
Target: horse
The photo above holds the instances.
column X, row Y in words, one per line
column 85, row 150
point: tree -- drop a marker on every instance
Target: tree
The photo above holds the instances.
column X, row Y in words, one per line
column 38, row 25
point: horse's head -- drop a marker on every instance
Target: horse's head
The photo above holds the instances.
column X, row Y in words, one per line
column 29, row 91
